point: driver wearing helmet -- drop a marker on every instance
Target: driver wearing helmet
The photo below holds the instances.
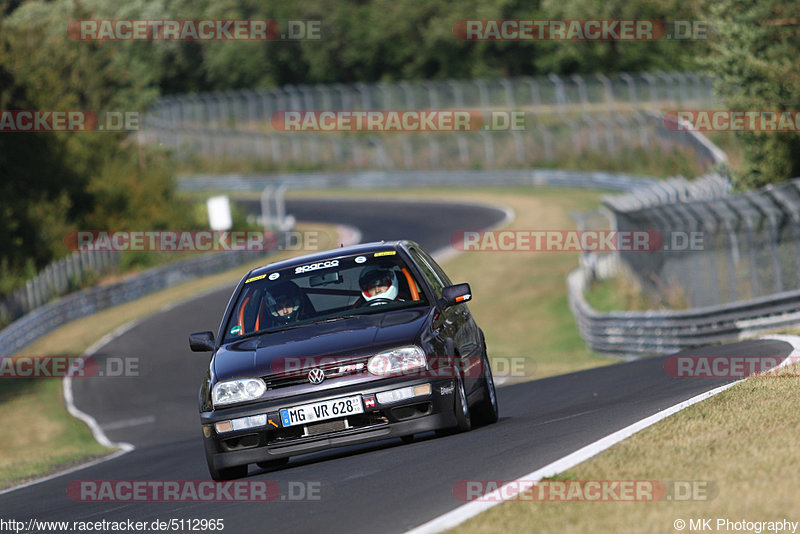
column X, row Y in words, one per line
column 283, row 303
column 378, row 284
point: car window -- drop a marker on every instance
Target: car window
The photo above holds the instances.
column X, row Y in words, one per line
column 428, row 272
column 317, row 291
column 436, row 268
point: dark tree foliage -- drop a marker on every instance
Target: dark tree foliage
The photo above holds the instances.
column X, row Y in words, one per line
column 756, row 61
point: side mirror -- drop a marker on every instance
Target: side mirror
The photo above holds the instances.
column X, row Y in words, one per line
column 201, row 341
column 455, row 294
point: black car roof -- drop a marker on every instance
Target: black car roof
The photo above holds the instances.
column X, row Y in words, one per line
column 363, row 248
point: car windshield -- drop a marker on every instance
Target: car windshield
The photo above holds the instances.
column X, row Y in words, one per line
column 323, row 290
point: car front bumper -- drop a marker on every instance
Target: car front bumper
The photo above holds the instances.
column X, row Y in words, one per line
column 272, row 442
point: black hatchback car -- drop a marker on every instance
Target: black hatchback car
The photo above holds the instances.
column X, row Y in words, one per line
column 336, row 348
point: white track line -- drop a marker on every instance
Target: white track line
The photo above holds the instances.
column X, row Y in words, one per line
column 447, row 252
column 133, row 421
column 508, row 492
column 69, row 400
column 91, row 422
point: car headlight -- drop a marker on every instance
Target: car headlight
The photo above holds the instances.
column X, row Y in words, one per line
column 239, row 390
column 397, row 360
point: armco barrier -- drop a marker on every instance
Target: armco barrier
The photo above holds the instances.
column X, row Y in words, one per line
column 50, row 316
column 566, row 117
column 395, row 179
column 668, row 331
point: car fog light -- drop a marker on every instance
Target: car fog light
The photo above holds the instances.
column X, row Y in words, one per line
column 223, row 426
column 397, row 395
column 241, row 423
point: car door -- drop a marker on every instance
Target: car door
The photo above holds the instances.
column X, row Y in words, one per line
column 456, row 321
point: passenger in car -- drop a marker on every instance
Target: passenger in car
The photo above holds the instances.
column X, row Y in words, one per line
column 286, row 304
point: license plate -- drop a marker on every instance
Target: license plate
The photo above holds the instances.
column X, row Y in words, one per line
column 319, row 411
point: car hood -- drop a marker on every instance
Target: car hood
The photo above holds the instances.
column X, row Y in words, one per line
column 344, row 339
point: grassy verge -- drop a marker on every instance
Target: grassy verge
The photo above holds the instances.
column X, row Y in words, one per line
column 45, row 437
column 624, row 292
column 648, row 161
column 740, row 445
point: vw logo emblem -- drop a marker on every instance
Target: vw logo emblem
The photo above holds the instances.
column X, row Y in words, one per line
column 316, row 376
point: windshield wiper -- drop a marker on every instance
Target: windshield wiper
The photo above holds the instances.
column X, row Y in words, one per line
column 336, row 318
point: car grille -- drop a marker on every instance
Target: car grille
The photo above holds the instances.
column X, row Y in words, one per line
column 316, row 429
column 331, row 370
column 352, row 422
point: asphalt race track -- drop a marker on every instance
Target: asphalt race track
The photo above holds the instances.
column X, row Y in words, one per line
column 383, row 487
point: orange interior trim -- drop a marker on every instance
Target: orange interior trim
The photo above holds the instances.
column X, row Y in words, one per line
column 412, row 286
column 262, row 311
column 241, row 313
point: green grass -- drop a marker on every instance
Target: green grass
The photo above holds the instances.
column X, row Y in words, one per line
column 741, row 444
column 40, row 434
column 643, row 161
column 624, row 292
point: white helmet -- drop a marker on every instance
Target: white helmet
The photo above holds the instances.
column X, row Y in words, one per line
column 374, row 276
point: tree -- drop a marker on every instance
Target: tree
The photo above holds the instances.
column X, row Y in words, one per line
column 756, row 48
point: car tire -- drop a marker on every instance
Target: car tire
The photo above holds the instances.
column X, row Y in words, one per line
column 273, row 464
column 487, row 412
column 228, row 473
column 461, row 408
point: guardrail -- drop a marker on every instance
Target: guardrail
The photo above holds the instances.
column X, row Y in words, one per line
column 50, row 316
column 668, row 331
column 388, row 179
column 59, row 277
column 571, row 116
column 750, row 246
column 542, row 95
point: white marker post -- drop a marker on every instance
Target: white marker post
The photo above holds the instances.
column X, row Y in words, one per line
column 219, row 213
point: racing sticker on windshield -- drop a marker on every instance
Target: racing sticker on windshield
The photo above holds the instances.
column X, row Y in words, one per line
column 360, row 259
column 236, row 330
column 253, row 279
column 385, row 253
column 316, row 266
column 274, row 276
